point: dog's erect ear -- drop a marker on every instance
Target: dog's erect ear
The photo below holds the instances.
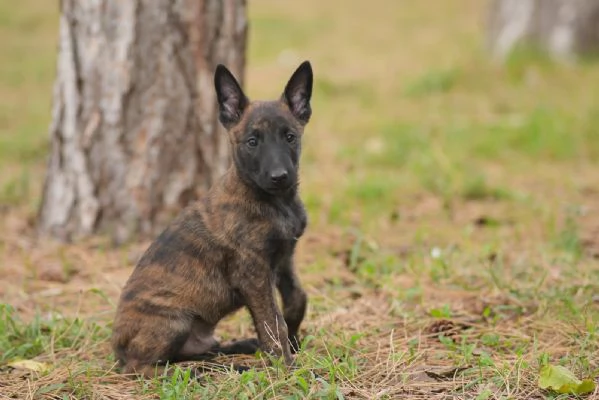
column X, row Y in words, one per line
column 231, row 99
column 299, row 91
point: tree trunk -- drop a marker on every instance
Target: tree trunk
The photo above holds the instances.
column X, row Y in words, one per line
column 565, row 29
column 135, row 134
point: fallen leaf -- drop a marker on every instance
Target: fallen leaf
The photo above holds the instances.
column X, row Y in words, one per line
column 562, row 380
column 486, row 221
column 446, row 375
column 446, row 327
column 50, row 388
column 29, row 364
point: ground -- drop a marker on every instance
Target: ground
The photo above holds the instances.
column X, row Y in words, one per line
column 453, row 245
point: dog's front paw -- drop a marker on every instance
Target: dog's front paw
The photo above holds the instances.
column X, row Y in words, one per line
column 294, row 344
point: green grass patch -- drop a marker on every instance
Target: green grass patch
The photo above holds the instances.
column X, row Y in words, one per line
column 16, row 191
column 433, row 82
column 26, row 340
column 327, row 90
column 523, row 58
column 568, row 238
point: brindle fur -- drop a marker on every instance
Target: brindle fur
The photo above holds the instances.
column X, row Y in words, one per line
column 230, row 249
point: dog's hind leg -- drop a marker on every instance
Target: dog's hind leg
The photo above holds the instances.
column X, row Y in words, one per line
column 245, row 346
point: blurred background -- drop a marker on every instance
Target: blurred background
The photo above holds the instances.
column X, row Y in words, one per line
column 408, row 100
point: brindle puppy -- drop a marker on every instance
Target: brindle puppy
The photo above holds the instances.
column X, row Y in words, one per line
column 230, row 249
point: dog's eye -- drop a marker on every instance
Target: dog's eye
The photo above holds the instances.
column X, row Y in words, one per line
column 252, row 142
column 290, row 137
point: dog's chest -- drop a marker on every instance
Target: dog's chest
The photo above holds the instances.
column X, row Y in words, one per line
column 287, row 228
column 290, row 221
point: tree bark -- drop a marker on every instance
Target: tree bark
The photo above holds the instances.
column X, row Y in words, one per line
column 565, row 29
column 135, row 134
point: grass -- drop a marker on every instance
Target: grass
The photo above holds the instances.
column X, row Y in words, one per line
column 453, row 242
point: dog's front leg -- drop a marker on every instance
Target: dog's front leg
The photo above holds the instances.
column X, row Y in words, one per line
column 294, row 301
column 258, row 295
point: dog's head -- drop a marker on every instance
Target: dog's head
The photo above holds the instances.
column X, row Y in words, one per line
column 266, row 135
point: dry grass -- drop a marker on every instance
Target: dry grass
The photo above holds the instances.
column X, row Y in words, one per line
column 454, row 237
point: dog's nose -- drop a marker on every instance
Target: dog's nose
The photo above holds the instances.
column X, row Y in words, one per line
column 279, row 176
